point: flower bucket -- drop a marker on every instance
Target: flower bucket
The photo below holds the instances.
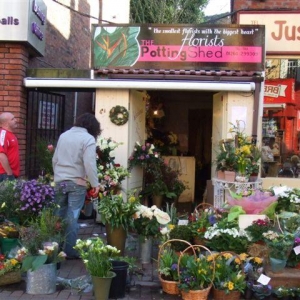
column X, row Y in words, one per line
column 229, row 176
column 42, row 281
column 145, row 250
column 8, row 244
column 118, row 284
column 116, row 237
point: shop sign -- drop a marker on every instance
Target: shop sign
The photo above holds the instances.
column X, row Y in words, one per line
column 24, row 21
column 213, row 47
column 279, row 91
column 282, row 29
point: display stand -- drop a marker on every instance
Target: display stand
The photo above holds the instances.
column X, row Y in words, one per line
column 222, row 187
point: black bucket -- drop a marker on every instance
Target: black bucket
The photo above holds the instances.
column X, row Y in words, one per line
column 118, row 284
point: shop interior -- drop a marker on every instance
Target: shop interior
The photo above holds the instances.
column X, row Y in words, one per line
column 179, row 123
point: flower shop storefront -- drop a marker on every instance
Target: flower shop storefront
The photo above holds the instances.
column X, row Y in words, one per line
column 134, row 63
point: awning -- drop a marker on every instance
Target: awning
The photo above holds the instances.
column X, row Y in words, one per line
column 138, row 84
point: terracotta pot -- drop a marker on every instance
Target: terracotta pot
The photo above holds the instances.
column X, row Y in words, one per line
column 229, row 176
column 221, row 175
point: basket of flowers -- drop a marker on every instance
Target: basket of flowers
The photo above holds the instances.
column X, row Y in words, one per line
column 167, row 267
column 196, row 273
column 10, row 270
column 230, row 279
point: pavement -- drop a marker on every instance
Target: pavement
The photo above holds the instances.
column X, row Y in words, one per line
column 72, row 276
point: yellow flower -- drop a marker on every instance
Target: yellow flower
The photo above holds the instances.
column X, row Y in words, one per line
column 243, row 256
column 230, row 286
column 257, row 260
column 14, row 261
column 227, row 255
column 237, row 261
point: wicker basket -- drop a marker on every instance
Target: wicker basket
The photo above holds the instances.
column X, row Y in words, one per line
column 169, row 287
column 196, row 294
column 221, row 295
column 10, row 277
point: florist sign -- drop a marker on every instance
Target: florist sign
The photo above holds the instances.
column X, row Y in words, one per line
column 238, row 47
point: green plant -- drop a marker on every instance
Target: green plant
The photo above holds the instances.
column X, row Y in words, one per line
column 181, row 232
column 226, row 159
column 229, row 273
column 196, row 274
column 44, row 153
column 9, row 264
column 282, row 291
column 96, row 256
column 118, row 212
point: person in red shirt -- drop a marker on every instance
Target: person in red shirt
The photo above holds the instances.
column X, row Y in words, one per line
column 9, row 148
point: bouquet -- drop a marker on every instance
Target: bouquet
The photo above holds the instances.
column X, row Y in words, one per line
column 254, row 203
column 149, row 220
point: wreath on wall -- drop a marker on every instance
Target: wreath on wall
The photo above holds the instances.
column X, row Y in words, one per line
column 119, row 115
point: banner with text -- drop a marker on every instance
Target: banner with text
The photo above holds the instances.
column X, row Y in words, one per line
column 279, row 91
column 207, row 47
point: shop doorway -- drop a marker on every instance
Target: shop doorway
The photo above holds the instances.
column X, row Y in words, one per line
column 199, row 141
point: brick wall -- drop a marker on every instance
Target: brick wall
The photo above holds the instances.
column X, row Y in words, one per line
column 13, row 64
column 266, row 4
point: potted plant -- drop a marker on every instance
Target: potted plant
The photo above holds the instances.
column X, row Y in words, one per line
column 280, row 245
column 41, row 244
column 117, row 214
column 97, row 258
column 196, row 274
column 230, row 279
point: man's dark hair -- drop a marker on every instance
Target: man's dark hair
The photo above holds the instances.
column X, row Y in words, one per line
column 90, row 123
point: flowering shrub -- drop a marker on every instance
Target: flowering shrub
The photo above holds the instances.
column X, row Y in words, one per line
column 294, row 259
column 229, row 275
column 9, row 264
column 96, row 256
column 34, row 196
column 253, row 267
column 149, row 220
column 257, row 228
column 144, row 155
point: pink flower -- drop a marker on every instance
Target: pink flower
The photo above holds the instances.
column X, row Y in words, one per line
column 50, row 148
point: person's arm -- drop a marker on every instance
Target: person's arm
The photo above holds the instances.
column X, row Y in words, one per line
column 5, row 164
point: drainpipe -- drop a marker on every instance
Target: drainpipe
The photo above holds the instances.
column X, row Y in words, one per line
column 75, row 106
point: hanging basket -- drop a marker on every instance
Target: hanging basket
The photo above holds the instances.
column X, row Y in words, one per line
column 170, row 287
column 10, row 277
column 196, row 294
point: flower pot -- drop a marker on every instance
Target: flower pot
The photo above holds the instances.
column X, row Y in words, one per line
column 277, row 265
column 145, row 250
column 116, row 237
column 42, row 281
column 229, row 176
column 101, row 286
column 118, row 284
column 221, row 175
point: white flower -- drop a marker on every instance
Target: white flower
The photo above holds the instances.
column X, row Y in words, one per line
column 164, row 230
